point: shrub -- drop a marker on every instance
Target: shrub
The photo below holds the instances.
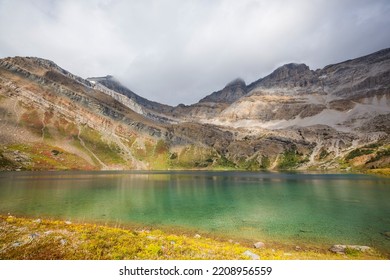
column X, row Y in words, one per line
column 380, row 155
column 265, row 162
column 324, row 153
column 358, row 153
column 289, row 160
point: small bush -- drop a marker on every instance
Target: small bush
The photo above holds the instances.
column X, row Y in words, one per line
column 323, row 154
column 380, row 155
column 289, row 160
column 265, row 162
column 372, row 146
column 224, row 162
column 358, row 153
column 251, row 164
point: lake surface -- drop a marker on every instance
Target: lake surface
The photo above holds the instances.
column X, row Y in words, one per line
column 293, row 208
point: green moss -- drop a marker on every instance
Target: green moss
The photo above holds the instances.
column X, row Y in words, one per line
column 352, row 252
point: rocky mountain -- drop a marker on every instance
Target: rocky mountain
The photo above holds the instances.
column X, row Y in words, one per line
column 230, row 93
column 113, row 84
column 152, row 110
column 295, row 118
column 340, row 95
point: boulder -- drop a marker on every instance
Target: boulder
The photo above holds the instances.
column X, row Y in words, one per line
column 259, row 245
column 340, row 249
column 33, row 236
column 252, row 255
column 17, row 244
column 150, row 237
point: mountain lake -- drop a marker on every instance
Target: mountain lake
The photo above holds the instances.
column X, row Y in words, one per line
column 293, row 208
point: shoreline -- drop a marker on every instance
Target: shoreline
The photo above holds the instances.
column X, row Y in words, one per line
column 381, row 172
column 35, row 238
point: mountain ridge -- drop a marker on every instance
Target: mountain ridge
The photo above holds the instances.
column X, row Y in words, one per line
column 295, row 118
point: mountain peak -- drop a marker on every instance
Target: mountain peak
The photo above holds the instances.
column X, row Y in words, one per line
column 236, row 82
column 230, row 93
column 114, row 84
column 32, row 64
column 286, row 75
column 290, row 69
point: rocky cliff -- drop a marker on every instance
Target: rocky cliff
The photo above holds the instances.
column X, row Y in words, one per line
column 331, row 118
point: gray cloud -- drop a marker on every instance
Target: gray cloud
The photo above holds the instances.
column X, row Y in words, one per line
column 178, row 51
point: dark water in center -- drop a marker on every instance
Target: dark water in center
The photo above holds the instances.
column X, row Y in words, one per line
column 314, row 208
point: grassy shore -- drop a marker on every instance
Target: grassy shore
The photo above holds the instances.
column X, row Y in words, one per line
column 22, row 238
column 379, row 171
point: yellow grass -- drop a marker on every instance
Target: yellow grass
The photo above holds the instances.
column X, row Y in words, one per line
column 22, row 238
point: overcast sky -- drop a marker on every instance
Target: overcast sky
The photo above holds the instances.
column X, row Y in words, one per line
column 178, row 51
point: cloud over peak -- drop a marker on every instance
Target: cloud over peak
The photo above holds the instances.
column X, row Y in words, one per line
column 179, row 51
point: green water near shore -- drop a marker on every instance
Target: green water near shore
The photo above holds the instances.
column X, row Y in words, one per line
column 295, row 208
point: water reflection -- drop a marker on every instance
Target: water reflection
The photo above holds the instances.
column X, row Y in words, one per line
column 319, row 207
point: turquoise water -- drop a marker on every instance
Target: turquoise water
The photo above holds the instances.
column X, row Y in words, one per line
column 295, row 208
